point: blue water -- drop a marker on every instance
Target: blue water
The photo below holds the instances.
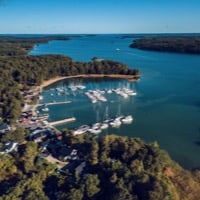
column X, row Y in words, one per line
column 166, row 109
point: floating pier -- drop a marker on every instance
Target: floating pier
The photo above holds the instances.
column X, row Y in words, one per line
column 64, row 121
column 54, row 103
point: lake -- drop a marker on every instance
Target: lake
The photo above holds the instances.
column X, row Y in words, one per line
column 166, row 108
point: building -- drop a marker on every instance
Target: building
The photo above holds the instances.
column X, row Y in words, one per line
column 4, row 128
column 8, row 147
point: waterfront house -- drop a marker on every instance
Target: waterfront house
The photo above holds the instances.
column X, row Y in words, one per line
column 66, row 153
column 40, row 134
column 8, row 147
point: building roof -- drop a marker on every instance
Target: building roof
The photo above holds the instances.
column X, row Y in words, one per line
column 9, row 146
column 4, row 127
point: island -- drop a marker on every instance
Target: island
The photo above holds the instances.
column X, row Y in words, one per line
column 179, row 44
column 43, row 163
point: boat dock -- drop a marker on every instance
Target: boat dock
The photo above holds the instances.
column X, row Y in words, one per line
column 54, row 103
column 64, row 121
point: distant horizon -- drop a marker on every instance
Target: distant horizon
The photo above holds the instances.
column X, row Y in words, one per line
column 172, row 33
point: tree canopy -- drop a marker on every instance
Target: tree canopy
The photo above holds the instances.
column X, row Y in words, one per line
column 180, row 44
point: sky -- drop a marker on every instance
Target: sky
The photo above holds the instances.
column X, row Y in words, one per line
column 99, row 16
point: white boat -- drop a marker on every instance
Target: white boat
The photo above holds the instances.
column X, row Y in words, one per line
column 96, row 125
column 72, row 87
column 102, row 98
column 81, row 87
column 104, row 126
column 117, row 49
column 127, row 120
column 109, row 91
column 123, row 94
column 94, row 100
column 115, row 123
column 119, row 117
column 95, row 130
column 107, row 121
column 45, row 109
column 82, row 129
column 75, row 87
column 132, row 93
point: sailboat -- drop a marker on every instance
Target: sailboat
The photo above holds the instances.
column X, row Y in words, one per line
column 95, row 129
column 128, row 119
column 115, row 123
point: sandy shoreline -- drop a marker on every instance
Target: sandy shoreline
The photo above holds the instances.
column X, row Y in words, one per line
column 46, row 83
column 59, row 78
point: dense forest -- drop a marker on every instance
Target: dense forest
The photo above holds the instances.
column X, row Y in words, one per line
column 117, row 168
column 18, row 45
column 18, row 70
column 180, row 44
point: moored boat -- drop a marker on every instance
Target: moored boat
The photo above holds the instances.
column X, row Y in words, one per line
column 82, row 129
column 94, row 130
column 45, row 109
column 104, row 126
column 115, row 123
column 127, row 120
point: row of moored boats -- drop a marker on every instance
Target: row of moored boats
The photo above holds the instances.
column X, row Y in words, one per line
column 99, row 127
column 94, row 95
column 98, row 95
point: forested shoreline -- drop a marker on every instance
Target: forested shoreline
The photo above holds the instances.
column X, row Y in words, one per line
column 179, row 44
column 19, row 70
column 115, row 168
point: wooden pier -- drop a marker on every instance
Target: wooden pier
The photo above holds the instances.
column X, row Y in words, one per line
column 54, row 103
column 64, row 121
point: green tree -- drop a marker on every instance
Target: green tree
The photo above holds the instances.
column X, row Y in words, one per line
column 17, row 135
column 92, row 185
column 75, row 194
column 93, row 156
column 7, row 166
column 29, row 156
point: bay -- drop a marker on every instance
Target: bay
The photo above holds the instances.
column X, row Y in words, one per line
column 166, row 109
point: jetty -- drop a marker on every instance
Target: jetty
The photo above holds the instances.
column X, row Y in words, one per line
column 64, row 121
column 54, row 103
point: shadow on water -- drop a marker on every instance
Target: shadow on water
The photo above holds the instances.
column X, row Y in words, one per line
column 197, row 142
column 197, row 104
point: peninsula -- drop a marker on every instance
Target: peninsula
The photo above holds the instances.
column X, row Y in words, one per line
column 19, row 70
column 179, row 44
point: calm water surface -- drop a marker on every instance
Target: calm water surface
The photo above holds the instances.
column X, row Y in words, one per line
column 166, row 109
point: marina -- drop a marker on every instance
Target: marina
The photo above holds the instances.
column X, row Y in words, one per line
column 75, row 89
column 165, row 93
